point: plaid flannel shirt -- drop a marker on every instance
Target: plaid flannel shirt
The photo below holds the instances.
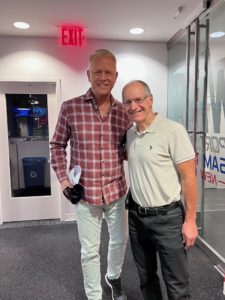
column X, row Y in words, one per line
column 96, row 144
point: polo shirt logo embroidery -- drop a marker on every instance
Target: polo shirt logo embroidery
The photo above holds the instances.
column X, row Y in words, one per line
column 150, row 147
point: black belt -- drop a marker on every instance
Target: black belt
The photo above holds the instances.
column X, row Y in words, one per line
column 154, row 211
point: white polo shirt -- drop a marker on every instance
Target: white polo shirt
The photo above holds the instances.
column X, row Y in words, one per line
column 152, row 157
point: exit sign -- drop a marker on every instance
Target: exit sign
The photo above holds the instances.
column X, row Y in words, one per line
column 70, row 35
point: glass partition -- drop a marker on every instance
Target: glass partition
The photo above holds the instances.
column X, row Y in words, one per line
column 214, row 157
column 202, row 97
column 177, row 81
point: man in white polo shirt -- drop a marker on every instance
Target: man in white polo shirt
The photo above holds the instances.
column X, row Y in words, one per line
column 161, row 164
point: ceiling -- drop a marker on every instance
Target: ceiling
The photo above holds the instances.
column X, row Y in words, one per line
column 102, row 19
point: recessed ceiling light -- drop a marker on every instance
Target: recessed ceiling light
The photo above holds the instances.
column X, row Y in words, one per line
column 136, row 30
column 217, row 34
column 21, row 25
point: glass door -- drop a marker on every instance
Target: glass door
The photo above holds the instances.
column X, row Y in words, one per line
column 214, row 156
column 187, row 96
column 197, row 99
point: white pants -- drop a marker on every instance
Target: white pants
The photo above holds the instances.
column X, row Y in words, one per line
column 89, row 221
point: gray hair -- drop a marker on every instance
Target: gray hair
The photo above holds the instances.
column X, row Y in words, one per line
column 144, row 84
column 101, row 53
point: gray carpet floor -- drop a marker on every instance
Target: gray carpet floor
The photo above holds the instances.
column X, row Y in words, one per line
column 41, row 261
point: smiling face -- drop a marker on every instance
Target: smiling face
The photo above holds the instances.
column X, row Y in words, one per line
column 138, row 104
column 102, row 75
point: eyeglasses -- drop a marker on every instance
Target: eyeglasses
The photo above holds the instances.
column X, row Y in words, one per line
column 136, row 100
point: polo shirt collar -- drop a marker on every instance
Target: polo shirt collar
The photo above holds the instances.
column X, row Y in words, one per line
column 152, row 127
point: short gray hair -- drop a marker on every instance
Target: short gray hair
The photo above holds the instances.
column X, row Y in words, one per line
column 101, row 53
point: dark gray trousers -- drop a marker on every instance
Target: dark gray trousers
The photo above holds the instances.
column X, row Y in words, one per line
column 160, row 234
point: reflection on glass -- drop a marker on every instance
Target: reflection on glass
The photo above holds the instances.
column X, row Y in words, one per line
column 27, row 117
column 177, row 81
column 214, row 156
column 210, row 140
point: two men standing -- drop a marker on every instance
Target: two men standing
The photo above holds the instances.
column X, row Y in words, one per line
column 161, row 167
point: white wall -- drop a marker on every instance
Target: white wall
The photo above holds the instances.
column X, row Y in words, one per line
column 38, row 58
column 42, row 59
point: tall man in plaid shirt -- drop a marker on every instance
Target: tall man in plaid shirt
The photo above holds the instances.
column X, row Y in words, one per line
column 95, row 124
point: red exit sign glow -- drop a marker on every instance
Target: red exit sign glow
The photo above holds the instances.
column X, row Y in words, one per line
column 70, row 35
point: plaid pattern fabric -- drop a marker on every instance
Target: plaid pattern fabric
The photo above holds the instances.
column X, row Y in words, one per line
column 95, row 145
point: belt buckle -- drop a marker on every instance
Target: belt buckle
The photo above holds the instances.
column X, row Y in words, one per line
column 142, row 210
